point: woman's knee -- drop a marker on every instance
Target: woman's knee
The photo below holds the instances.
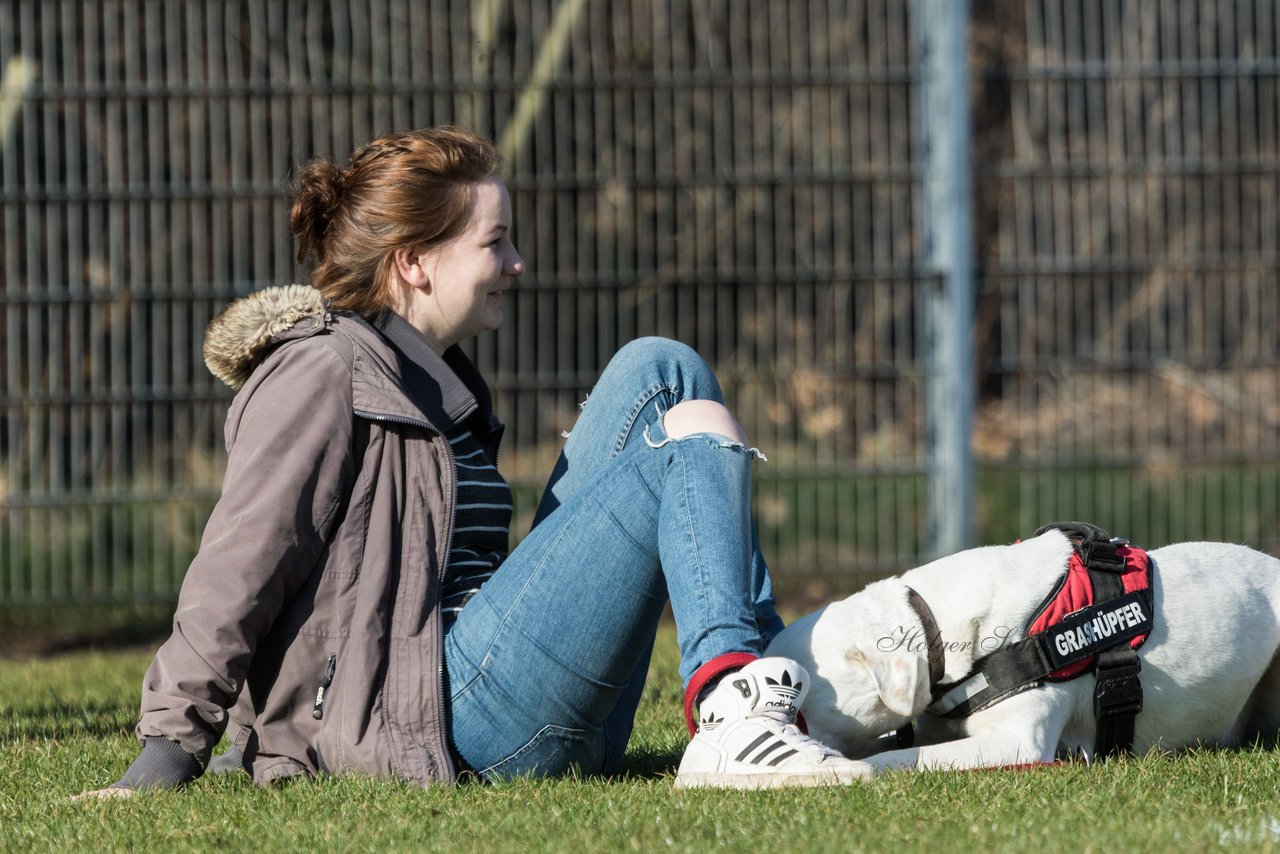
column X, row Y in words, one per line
column 654, row 348
column 680, row 366
column 702, row 416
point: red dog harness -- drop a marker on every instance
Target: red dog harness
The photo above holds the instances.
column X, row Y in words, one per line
column 1076, row 592
column 1099, row 612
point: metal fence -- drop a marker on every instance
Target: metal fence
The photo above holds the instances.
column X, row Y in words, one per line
column 740, row 175
column 1128, row 193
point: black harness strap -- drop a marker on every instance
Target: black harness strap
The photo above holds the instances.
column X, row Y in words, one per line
column 1020, row 666
column 1005, row 672
column 1117, row 694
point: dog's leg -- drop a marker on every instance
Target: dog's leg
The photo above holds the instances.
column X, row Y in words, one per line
column 1261, row 718
column 1020, row 730
column 986, row 751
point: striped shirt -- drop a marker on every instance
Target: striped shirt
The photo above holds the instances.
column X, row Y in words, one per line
column 481, row 521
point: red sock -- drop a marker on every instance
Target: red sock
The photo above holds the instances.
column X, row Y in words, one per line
column 707, row 673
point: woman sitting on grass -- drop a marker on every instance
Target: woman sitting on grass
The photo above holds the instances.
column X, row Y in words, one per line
column 353, row 607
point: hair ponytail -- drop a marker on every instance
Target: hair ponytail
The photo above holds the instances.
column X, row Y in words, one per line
column 317, row 190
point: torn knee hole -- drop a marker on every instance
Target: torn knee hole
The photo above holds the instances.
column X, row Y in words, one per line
column 719, row 439
column 690, row 417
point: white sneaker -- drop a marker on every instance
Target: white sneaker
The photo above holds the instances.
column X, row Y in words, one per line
column 747, row 737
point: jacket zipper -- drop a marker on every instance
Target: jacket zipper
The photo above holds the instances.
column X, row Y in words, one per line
column 397, row 419
column 325, row 682
column 445, row 750
column 445, row 738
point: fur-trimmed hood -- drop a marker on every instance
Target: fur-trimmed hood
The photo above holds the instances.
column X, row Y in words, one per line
column 239, row 337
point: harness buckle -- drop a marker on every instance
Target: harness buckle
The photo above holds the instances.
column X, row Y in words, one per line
column 1118, row 692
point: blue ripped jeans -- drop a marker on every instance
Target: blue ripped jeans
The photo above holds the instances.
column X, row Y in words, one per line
column 547, row 662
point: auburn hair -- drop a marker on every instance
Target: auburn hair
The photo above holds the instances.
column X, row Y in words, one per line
column 407, row 189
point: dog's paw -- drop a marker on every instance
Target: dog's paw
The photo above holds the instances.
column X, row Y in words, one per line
column 892, row 760
column 107, row 794
column 867, row 769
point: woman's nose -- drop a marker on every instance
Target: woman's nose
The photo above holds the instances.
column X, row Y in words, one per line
column 515, row 265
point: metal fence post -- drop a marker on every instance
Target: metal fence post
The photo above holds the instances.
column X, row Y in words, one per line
column 946, row 229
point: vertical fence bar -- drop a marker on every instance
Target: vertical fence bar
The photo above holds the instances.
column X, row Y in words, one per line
column 947, row 251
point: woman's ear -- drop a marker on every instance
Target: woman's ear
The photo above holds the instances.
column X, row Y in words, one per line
column 409, row 263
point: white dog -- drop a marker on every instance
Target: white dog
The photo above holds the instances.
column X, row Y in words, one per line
column 1209, row 668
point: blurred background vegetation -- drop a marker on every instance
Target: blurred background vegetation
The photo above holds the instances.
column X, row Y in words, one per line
column 743, row 175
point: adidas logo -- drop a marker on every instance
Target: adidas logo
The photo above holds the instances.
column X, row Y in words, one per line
column 710, row 722
column 767, row 750
column 784, row 687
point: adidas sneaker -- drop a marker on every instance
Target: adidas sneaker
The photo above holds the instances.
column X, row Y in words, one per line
column 748, row 739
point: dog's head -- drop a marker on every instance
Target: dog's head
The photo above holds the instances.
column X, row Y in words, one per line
column 868, row 664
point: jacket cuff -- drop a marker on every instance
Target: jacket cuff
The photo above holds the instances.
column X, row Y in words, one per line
column 163, row 764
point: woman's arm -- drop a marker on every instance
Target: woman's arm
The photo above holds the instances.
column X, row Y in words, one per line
column 290, row 466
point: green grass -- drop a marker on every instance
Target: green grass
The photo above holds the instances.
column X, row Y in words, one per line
column 65, row 726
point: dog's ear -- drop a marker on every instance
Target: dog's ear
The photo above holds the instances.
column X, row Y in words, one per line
column 897, row 678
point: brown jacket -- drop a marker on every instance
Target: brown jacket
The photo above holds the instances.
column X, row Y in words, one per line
column 328, row 544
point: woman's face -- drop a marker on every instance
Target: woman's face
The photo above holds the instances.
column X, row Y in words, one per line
column 469, row 274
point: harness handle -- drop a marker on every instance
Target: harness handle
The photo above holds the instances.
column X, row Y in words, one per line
column 1082, row 533
column 1097, row 547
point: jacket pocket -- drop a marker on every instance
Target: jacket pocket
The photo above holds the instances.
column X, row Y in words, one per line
column 322, row 608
